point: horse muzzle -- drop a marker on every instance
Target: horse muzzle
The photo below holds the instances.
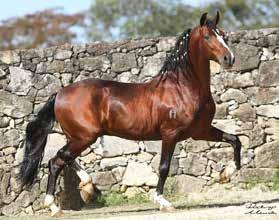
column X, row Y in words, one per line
column 227, row 60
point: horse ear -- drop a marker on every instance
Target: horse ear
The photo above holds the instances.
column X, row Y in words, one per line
column 203, row 19
column 217, row 18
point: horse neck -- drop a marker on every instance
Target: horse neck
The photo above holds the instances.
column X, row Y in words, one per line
column 199, row 67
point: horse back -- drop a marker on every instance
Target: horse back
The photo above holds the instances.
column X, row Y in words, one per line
column 107, row 107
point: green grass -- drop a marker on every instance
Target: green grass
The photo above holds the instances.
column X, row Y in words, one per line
column 170, row 188
column 118, row 199
column 273, row 184
column 275, row 181
column 139, row 199
column 170, row 192
column 111, row 199
column 253, row 182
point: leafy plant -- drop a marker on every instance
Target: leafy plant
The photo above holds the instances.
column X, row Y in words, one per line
column 170, row 189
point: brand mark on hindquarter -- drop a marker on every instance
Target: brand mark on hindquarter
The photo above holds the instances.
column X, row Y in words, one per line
column 172, row 114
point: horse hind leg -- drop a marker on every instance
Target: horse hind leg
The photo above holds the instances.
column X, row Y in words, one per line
column 55, row 165
column 67, row 156
column 86, row 185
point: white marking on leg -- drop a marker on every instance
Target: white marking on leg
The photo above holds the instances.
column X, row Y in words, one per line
column 84, row 176
column 49, row 199
column 49, row 202
column 230, row 169
column 221, row 40
column 54, row 209
column 161, row 200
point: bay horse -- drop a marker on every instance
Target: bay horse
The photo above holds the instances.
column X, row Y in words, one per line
column 175, row 105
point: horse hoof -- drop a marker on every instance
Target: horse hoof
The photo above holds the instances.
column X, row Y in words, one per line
column 86, row 192
column 57, row 213
column 167, row 209
column 85, row 196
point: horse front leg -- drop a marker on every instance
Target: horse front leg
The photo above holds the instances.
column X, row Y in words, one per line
column 215, row 134
column 166, row 155
column 236, row 144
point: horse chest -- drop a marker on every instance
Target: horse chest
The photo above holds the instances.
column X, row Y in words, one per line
column 192, row 118
column 208, row 109
column 205, row 113
column 196, row 113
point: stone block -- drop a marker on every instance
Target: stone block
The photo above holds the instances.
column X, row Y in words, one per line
column 196, row 146
column 246, row 57
column 193, row 164
column 20, row 80
column 103, row 178
column 269, row 72
column 234, row 94
column 138, row 174
column 267, row 155
column 114, row 146
column 245, row 112
column 221, row 111
column 108, row 163
column 10, row 138
column 270, row 111
column 272, row 128
column 153, row 64
column 228, row 125
column 54, row 143
column 61, row 54
column 189, row 184
column 221, row 154
column 122, row 62
column 94, row 63
column 265, row 96
column 250, row 174
column 9, row 57
column 13, row 105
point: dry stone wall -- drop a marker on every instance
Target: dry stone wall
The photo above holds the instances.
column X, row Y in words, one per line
column 247, row 99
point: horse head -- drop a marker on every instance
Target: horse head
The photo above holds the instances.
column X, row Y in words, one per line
column 213, row 41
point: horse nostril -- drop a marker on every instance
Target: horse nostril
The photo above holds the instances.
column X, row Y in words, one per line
column 226, row 58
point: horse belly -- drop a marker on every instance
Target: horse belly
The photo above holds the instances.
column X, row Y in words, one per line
column 131, row 123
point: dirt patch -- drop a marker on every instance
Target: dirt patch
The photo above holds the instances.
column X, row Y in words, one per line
column 214, row 204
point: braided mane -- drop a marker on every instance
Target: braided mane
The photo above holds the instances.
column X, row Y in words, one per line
column 178, row 56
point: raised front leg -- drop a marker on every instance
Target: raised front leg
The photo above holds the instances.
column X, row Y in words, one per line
column 236, row 144
column 215, row 134
column 168, row 146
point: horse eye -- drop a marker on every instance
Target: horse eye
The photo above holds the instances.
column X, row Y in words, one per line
column 206, row 37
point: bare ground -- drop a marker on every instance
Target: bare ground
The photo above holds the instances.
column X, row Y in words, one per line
column 215, row 205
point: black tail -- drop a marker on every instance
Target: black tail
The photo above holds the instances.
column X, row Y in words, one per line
column 36, row 138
